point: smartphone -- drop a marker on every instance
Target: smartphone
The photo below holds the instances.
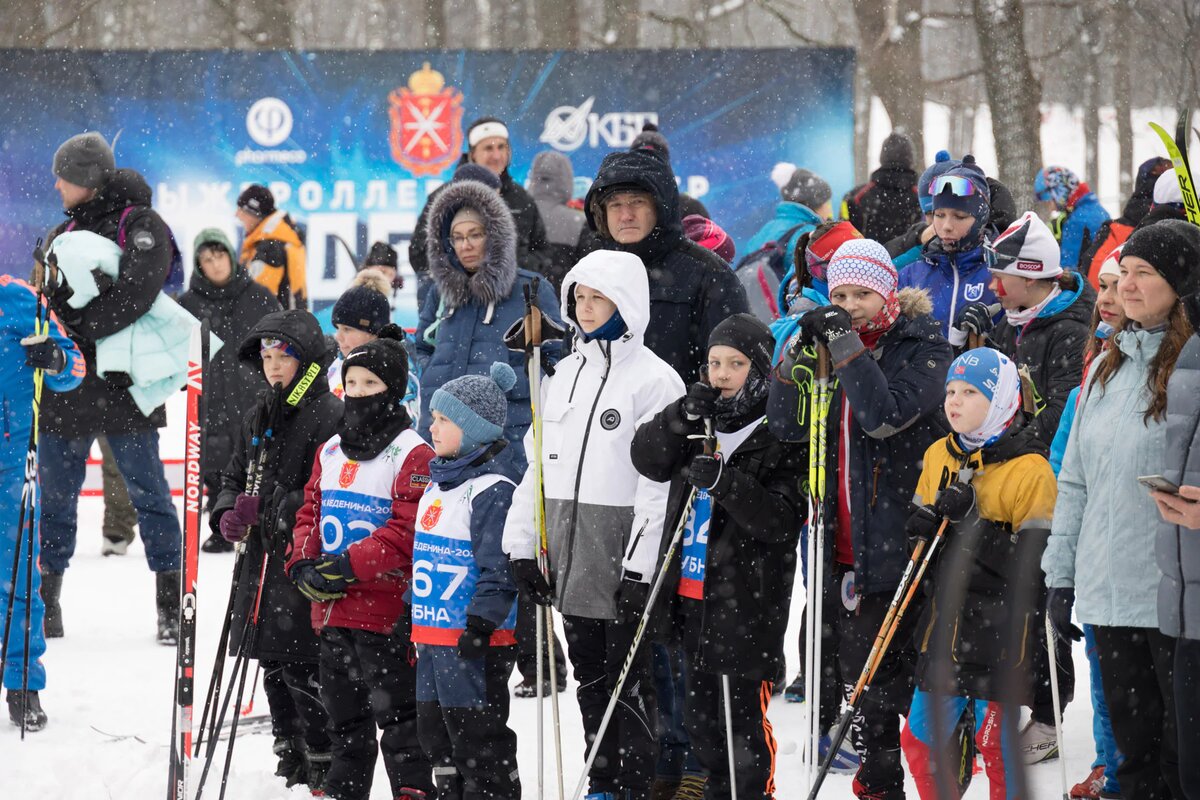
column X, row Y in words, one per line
column 1158, row 483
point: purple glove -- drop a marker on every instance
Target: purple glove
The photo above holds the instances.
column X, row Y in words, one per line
column 236, row 522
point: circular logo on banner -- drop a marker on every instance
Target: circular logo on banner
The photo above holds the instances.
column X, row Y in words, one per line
column 269, row 122
column 849, row 593
column 566, row 127
column 610, row 419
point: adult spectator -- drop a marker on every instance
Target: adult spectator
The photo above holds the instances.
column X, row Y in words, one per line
column 1079, row 213
column 551, row 185
column 222, row 292
column 383, row 262
column 803, row 205
column 96, row 196
column 272, row 251
column 652, row 140
column 886, row 205
column 488, row 145
column 710, row 236
column 633, row 205
column 1115, row 231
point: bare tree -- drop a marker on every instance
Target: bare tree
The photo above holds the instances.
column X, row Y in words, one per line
column 889, row 45
column 558, row 23
column 620, row 23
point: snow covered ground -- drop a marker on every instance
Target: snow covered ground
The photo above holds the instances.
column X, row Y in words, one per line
column 109, row 678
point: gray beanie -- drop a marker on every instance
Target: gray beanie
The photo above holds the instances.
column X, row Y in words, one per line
column 85, row 160
column 476, row 404
column 897, row 151
column 807, row 189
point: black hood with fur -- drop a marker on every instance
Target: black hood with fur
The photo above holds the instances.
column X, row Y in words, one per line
column 493, row 280
column 639, row 170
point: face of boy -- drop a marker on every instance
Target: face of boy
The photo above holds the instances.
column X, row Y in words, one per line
column 348, row 338
column 728, row 369
column 361, row 382
column 446, row 436
column 592, row 309
column 215, row 265
column 861, row 303
column 279, row 367
column 966, row 407
column 950, row 225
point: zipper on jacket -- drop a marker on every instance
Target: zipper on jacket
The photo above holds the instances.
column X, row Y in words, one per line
column 954, row 294
column 637, row 538
column 875, row 482
column 575, row 383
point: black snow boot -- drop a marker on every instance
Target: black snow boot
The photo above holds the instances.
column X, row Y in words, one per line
column 166, row 597
column 291, row 765
column 51, row 591
column 318, row 768
column 35, row 717
column 216, row 543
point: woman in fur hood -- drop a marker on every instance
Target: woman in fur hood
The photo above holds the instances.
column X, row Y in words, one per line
column 478, row 292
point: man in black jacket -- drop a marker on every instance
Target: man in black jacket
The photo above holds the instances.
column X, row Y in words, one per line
column 114, row 203
column 886, row 206
column 488, row 145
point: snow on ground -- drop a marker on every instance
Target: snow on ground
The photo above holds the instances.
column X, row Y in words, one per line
column 109, row 678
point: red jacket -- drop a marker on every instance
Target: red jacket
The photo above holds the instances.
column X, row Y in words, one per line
column 382, row 561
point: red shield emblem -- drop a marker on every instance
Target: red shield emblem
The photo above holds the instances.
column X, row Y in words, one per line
column 426, row 135
column 349, row 471
column 429, row 519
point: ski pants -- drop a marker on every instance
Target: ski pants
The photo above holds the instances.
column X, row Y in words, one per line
column 62, row 464
column 629, row 750
column 1187, row 714
column 293, row 691
column 462, row 718
column 1137, row 666
column 368, row 680
column 12, row 481
column 754, row 746
column 1108, row 755
column 995, row 739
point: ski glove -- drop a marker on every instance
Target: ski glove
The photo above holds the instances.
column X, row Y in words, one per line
column 530, row 581
column 975, row 318
column 336, row 572
column 631, row 599
column 311, row 584
column 705, row 471
column 922, row 524
column 235, row 523
column 476, row 638
column 42, row 352
column 700, row 402
column 1059, row 602
column 826, row 324
column 955, row 501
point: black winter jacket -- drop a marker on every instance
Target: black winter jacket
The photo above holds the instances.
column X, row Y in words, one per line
column 885, row 206
column 758, row 510
column 284, row 632
column 98, row 406
column 895, row 394
column 692, row 289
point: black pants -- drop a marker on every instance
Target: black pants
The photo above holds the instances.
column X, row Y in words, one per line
column 294, row 696
column 462, row 716
column 629, row 750
column 1187, row 714
column 369, row 680
column 526, row 634
column 1136, row 668
column 1043, row 694
column 754, row 745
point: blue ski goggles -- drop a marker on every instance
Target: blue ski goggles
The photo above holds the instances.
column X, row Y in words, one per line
column 956, row 184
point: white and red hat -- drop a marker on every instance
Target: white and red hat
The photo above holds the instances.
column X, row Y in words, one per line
column 863, row 262
column 1027, row 249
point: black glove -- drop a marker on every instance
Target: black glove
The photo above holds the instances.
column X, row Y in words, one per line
column 955, row 501
column 975, row 318
column 103, row 282
column 631, row 599
column 336, row 572
column 42, row 352
column 922, row 524
column 476, row 638
column 700, row 402
column 530, row 581
column 1059, row 603
column 705, row 471
column 826, row 324
column 311, row 584
column 121, row 380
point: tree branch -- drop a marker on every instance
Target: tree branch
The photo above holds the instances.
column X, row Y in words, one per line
column 84, row 7
column 786, row 22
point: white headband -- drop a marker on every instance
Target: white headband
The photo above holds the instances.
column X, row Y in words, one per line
column 486, row 130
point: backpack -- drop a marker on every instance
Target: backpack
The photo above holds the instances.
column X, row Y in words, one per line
column 173, row 285
column 761, row 272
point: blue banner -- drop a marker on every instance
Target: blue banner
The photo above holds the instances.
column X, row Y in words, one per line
column 353, row 142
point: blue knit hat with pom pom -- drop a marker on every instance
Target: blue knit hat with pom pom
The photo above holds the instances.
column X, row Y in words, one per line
column 477, row 404
column 942, row 163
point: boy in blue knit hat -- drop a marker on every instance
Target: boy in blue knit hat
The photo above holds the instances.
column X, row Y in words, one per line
column 463, row 601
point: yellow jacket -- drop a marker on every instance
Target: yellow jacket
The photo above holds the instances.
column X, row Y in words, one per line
column 289, row 285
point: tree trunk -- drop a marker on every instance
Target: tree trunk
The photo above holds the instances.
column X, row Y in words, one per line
column 558, row 23
column 862, row 123
column 1122, row 98
column 433, row 26
column 1013, row 93
column 621, row 23
column 890, row 46
column 22, row 24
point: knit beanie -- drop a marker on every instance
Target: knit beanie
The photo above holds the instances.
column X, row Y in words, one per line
column 1172, row 247
column 652, row 141
column 477, row 172
column 977, row 200
column 798, row 185
column 257, row 199
column 1055, row 183
column 863, row 262
column 382, row 254
column 362, row 308
column 1166, row 189
column 942, row 163
column 477, row 404
column 1147, row 175
column 897, row 151
column 1026, row 249
column 710, row 236
column 85, row 160
column 385, row 356
column 823, row 243
column 467, row 214
column 748, row 335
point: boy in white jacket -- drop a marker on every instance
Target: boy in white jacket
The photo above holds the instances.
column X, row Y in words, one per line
column 604, row 521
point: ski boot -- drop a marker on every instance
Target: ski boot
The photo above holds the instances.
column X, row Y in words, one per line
column 1038, row 743
column 411, row 794
column 290, row 764
column 35, row 717
column 166, row 597
column 794, row 693
column 51, row 592
column 118, row 546
column 318, row 768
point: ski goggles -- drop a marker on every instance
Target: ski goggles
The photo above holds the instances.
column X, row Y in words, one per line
column 957, row 184
column 1000, row 262
column 267, row 344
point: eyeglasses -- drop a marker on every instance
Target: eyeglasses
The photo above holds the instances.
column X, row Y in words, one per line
column 471, row 239
column 958, row 186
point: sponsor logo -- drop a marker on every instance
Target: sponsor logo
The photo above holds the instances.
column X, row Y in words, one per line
column 1029, row 266
column 417, row 481
column 348, row 474
column 269, row 122
column 426, row 134
column 568, row 127
column 610, row 419
column 429, row 519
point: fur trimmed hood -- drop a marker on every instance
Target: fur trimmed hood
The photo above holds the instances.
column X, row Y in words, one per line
column 494, row 279
column 914, row 302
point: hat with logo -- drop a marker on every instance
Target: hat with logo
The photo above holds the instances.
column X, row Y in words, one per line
column 1027, row 249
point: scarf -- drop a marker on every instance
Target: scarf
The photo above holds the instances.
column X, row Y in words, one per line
column 734, row 413
column 369, row 424
column 1005, row 402
column 1020, row 317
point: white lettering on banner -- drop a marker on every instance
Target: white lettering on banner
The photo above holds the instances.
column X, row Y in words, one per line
column 568, row 127
column 247, row 156
column 269, row 121
column 406, row 193
column 311, row 195
column 282, row 192
column 167, row 199
column 216, row 194
column 376, row 195
column 343, row 195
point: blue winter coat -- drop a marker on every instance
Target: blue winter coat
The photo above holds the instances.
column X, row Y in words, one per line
column 1084, row 221
column 787, row 216
column 952, row 280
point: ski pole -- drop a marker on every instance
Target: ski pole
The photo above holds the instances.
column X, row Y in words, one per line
column 729, row 736
column 1051, row 651
column 818, row 437
column 640, row 631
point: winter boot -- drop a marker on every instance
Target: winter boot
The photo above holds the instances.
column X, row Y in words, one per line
column 51, row 592
column 528, row 687
column 691, row 787
column 290, row 764
column 318, row 768
column 35, row 717
column 664, row 788
column 113, row 547
column 448, row 782
column 1038, row 743
column 794, row 693
column 166, row 596
column 216, row 543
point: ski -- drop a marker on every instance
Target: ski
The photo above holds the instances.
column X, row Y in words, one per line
column 181, row 738
column 1179, row 160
